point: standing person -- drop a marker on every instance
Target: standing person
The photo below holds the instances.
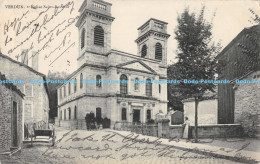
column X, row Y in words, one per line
column 186, row 128
column 87, row 118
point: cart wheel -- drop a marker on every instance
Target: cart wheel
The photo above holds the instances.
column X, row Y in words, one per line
column 53, row 137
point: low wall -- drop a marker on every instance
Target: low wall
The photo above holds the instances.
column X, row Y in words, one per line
column 72, row 124
column 163, row 130
column 218, row 131
column 176, row 131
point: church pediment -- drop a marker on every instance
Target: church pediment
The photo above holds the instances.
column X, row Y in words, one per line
column 136, row 65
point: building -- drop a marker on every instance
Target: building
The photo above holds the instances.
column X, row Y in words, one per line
column 11, row 116
column 240, row 59
column 130, row 101
column 36, row 99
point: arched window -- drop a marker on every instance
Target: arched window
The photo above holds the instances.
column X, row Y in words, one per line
column 158, row 51
column 75, row 85
column 136, row 84
column 69, row 113
column 82, row 38
column 99, row 36
column 159, row 88
column 75, row 113
column 144, row 51
column 69, row 88
column 98, row 84
column 148, row 88
column 123, row 114
column 123, row 84
column 81, row 78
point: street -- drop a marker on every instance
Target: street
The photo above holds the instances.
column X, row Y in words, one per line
column 81, row 146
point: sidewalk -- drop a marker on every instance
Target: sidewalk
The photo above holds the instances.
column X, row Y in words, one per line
column 240, row 150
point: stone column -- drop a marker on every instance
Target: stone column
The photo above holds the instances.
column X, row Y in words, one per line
column 163, row 128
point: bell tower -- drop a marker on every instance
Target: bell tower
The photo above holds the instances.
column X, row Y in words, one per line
column 152, row 40
column 94, row 27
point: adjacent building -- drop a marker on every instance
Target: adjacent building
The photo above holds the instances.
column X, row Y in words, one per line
column 241, row 61
column 36, row 99
column 11, row 116
column 122, row 95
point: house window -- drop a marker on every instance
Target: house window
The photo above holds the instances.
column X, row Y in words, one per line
column 148, row 114
column 82, row 38
column 159, row 88
column 136, row 84
column 98, row 114
column 158, row 51
column 28, row 90
column 123, row 113
column 144, row 51
column 75, row 86
column 99, row 36
column 81, row 79
column 148, row 88
column 123, row 84
column 98, row 84
column 75, row 113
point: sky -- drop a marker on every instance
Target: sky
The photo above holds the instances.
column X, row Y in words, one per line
column 58, row 51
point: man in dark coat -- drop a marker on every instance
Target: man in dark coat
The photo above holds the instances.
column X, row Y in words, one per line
column 88, row 121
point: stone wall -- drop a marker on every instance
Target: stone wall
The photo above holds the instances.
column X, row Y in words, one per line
column 163, row 130
column 7, row 97
column 247, row 96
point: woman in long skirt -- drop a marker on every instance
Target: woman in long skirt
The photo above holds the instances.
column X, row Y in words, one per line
column 186, row 128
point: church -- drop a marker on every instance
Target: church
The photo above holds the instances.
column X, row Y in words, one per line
column 123, row 99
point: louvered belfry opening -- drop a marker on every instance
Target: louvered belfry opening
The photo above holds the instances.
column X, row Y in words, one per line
column 99, row 36
column 144, row 51
column 82, row 38
column 158, row 51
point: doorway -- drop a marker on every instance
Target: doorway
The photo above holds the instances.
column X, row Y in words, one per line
column 14, row 123
column 136, row 115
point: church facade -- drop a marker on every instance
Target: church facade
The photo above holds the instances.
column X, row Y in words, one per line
column 112, row 83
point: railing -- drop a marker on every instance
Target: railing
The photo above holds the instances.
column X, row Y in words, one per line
column 81, row 124
column 139, row 128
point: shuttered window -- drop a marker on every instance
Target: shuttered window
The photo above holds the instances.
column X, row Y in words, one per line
column 158, row 51
column 82, row 38
column 99, row 36
column 144, row 51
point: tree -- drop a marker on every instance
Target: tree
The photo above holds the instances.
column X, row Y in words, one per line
column 53, row 100
column 196, row 57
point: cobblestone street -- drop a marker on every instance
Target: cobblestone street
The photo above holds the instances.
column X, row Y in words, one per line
column 81, row 146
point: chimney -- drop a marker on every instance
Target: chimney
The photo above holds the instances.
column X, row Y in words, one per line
column 35, row 60
column 24, row 57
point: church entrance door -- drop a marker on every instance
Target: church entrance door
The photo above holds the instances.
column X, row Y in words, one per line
column 136, row 115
